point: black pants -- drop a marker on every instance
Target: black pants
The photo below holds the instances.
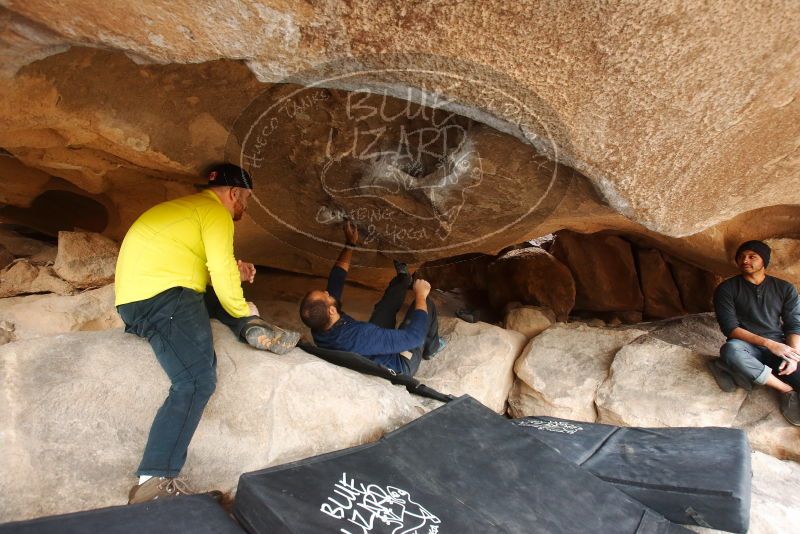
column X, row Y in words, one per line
column 385, row 315
column 176, row 323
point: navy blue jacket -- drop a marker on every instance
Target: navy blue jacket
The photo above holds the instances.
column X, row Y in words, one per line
column 381, row 345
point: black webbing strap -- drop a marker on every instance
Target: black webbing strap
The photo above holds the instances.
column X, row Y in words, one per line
column 356, row 362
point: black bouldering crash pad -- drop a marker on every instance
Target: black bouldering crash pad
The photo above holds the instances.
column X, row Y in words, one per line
column 459, row 469
column 357, row 362
column 695, row 476
column 198, row 514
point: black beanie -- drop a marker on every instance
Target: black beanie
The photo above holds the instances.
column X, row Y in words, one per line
column 759, row 247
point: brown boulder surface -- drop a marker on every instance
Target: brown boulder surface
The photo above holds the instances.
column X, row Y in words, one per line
column 696, row 286
column 766, row 428
column 529, row 321
column 531, row 276
column 770, row 511
column 560, row 370
column 604, row 271
column 746, row 74
column 86, row 259
column 5, row 257
column 48, row 315
column 650, row 379
column 478, row 361
column 661, row 296
column 685, row 166
column 22, row 277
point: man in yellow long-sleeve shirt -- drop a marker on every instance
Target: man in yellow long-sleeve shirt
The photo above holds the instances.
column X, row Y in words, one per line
column 169, row 257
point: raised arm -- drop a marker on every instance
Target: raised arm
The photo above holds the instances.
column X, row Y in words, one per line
column 338, row 274
column 350, row 241
column 411, row 335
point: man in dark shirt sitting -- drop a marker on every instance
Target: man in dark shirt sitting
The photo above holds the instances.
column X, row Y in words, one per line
column 760, row 316
column 400, row 349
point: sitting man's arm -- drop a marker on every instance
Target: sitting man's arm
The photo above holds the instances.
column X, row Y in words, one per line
column 377, row 340
column 725, row 310
column 790, row 315
column 217, row 235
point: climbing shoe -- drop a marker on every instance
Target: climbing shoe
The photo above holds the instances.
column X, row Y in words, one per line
column 400, row 267
column 265, row 336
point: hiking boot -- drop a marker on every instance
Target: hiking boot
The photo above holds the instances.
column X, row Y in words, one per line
column 790, row 407
column 722, row 375
column 161, row 488
column 441, row 344
column 269, row 337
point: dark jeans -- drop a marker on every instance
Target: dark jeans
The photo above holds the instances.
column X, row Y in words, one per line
column 385, row 315
column 755, row 362
column 177, row 324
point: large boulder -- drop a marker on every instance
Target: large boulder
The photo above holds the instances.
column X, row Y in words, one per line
column 785, row 258
column 22, row 246
column 661, row 296
column 696, row 286
column 78, row 407
column 767, row 430
column 531, row 276
column 775, row 485
column 699, row 332
column 23, row 277
column 86, row 259
column 655, row 383
column 773, row 508
column 560, row 370
column 464, row 273
column 529, row 321
column 604, row 271
column 478, row 361
column 5, row 257
column 47, row 315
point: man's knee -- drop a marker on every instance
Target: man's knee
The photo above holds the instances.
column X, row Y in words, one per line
column 741, row 357
column 736, row 350
column 201, row 385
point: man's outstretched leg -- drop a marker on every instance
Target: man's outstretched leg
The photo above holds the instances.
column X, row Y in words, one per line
column 385, row 312
column 253, row 330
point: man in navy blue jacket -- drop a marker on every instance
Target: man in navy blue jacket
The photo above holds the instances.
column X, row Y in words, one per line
column 400, row 349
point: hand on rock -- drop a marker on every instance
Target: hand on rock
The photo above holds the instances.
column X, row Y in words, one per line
column 350, row 233
column 421, row 288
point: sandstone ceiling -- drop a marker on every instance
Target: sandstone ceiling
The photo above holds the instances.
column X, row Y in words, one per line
column 674, row 122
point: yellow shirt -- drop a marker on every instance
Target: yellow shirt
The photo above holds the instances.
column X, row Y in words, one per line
column 185, row 242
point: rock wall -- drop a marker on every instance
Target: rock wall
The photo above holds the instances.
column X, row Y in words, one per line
column 110, row 120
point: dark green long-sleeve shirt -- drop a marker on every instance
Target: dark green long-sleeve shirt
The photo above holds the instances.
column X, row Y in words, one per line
column 770, row 310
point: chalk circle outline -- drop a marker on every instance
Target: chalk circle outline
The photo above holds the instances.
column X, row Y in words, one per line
column 325, row 83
